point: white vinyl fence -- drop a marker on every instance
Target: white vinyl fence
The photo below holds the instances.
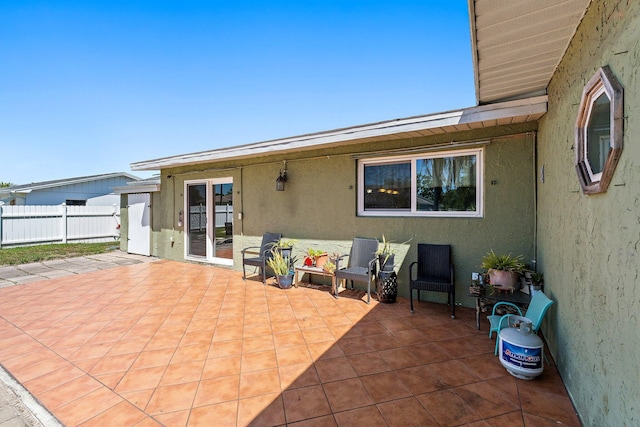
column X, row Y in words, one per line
column 29, row 225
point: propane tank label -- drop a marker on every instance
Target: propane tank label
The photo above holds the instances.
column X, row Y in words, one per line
column 526, row 358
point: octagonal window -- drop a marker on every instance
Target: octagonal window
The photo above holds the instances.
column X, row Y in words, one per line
column 599, row 132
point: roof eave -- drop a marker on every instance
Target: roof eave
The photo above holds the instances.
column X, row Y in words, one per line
column 444, row 122
column 474, row 48
column 131, row 189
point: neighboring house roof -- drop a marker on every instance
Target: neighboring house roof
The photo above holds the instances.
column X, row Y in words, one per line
column 149, row 185
column 517, row 44
column 27, row 188
column 512, row 112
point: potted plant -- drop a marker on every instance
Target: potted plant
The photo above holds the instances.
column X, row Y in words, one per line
column 537, row 279
column 285, row 246
column 504, row 269
column 315, row 258
column 282, row 266
column 386, row 256
column 329, row 267
column 386, row 278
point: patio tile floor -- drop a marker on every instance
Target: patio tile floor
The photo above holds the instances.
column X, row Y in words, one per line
column 176, row 344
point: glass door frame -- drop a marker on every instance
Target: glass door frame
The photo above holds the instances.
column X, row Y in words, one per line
column 211, row 217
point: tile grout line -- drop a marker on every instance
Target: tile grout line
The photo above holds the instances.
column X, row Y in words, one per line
column 33, row 413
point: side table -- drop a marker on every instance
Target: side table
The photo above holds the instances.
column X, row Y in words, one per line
column 519, row 298
column 315, row 270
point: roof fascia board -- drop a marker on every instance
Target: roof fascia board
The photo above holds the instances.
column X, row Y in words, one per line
column 520, row 107
column 149, row 188
column 474, row 48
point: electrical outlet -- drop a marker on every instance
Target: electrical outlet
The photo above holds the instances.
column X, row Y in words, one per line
column 474, row 276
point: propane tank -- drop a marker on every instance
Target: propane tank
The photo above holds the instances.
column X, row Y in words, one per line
column 521, row 350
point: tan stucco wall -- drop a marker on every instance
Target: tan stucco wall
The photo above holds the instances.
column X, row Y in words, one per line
column 318, row 206
column 588, row 245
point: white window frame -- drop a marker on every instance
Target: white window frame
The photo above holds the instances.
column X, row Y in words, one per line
column 209, row 184
column 413, row 212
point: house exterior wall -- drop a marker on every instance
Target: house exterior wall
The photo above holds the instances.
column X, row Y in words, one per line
column 318, row 206
column 79, row 191
column 124, row 223
column 588, row 245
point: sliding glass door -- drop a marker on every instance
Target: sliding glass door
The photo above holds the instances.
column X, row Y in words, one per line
column 197, row 220
column 209, row 227
column 223, row 223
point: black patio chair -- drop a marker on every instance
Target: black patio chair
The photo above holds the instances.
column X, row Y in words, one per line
column 434, row 273
column 263, row 252
column 361, row 266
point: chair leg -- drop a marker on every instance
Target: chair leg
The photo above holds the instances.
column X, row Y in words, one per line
column 452, row 297
column 495, row 352
column 369, row 292
column 411, row 298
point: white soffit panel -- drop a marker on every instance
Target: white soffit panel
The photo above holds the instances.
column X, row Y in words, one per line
column 517, row 44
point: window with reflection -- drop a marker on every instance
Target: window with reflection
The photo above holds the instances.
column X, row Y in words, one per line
column 387, row 186
column 599, row 132
column 433, row 184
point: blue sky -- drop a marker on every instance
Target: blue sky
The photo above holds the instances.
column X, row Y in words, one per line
column 90, row 87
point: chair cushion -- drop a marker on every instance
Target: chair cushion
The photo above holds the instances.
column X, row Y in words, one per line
column 359, row 274
column 253, row 261
column 431, row 285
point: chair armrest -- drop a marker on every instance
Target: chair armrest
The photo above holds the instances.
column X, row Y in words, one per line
column 338, row 260
column 411, row 268
column 251, row 249
column 371, row 265
column 502, row 319
column 493, row 312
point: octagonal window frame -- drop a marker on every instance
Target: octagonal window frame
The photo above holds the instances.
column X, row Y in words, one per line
column 602, row 82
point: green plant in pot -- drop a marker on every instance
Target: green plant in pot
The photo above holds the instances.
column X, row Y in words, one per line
column 315, row 258
column 504, row 269
column 285, row 246
column 329, row 267
column 537, row 279
column 282, row 267
column 386, row 254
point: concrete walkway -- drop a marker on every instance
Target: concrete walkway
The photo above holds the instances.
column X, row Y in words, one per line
column 27, row 273
column 18, row 407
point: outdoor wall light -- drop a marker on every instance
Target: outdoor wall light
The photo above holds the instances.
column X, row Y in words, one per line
column 282, row 178
column 180, row 218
